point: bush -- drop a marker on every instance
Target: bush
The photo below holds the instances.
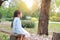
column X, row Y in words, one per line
column 7, row 13
column 54, row 18
column 57, row 19
column 9, row 19
column 23, row 17
column 35, row 14
column 0, row 15
column 33, row 19
column 0, row 20
column 28, row 24
column 4, row 37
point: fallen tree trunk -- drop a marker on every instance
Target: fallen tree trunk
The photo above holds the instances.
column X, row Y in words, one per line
column 5, row 31
column 13, row 36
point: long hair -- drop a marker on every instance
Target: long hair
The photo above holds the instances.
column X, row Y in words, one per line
column 15, row 15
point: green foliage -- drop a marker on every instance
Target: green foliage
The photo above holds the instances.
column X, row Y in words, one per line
column 55, row 18
column 2, row 12
column 35, row 14
column 7, row 13
column 0, row 15
column 10, row 12
column 54, row 10
column 21, row 6
column 8, row 19
column 28, row 24
column 4, row 37
column 57, row 2
column 33, row 19
column 24, row 17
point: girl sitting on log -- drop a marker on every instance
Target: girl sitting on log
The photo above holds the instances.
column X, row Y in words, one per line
column 17, row 26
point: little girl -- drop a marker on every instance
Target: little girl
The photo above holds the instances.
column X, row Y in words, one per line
column 17, row 26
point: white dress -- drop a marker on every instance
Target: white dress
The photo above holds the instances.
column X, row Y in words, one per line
column 17, row 27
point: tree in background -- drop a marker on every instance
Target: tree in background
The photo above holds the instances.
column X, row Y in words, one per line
column 1, row 2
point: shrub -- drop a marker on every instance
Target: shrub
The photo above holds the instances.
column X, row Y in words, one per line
column 4, row 37
column 0, row 15
column 0, row 20
column 57, row 19
column 35, row 14
column 33, row 19
column 8, row 19
column 23, row 17
column 28, row 24
column 8, row 12
column 54, row 18
column 28, row 17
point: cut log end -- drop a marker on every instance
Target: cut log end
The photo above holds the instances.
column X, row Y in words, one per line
column 17, row 37
column 56, row 36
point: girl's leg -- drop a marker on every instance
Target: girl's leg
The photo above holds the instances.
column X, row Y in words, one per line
column 18, row 38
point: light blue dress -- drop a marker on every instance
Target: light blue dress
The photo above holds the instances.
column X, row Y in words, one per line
column 17, row 27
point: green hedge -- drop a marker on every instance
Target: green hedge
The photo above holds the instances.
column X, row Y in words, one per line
column 0, row 17
column 9, row 19
column 28, row 24
column 54, row 18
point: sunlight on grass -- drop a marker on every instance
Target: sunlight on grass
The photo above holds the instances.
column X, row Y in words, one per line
column 54, row 27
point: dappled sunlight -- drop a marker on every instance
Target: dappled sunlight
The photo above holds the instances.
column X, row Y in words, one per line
column 29, row 3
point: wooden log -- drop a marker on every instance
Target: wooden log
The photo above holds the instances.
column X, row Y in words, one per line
column 13, row 36
column 17, row 37
column 56, row 36
column 5, row 31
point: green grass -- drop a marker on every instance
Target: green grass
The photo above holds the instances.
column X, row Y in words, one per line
column 54, row 27
column 4, row 36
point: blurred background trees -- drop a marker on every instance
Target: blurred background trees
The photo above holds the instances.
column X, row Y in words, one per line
column 32, row 10
column 55, row 10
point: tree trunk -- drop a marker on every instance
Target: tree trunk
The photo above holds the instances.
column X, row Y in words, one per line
column 1, row 2
column 56, row 36
column 44, row 17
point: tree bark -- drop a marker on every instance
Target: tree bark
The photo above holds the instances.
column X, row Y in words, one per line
column 1, row 2
column 44, row 17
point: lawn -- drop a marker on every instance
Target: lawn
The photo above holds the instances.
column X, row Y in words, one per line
column 53, row 27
